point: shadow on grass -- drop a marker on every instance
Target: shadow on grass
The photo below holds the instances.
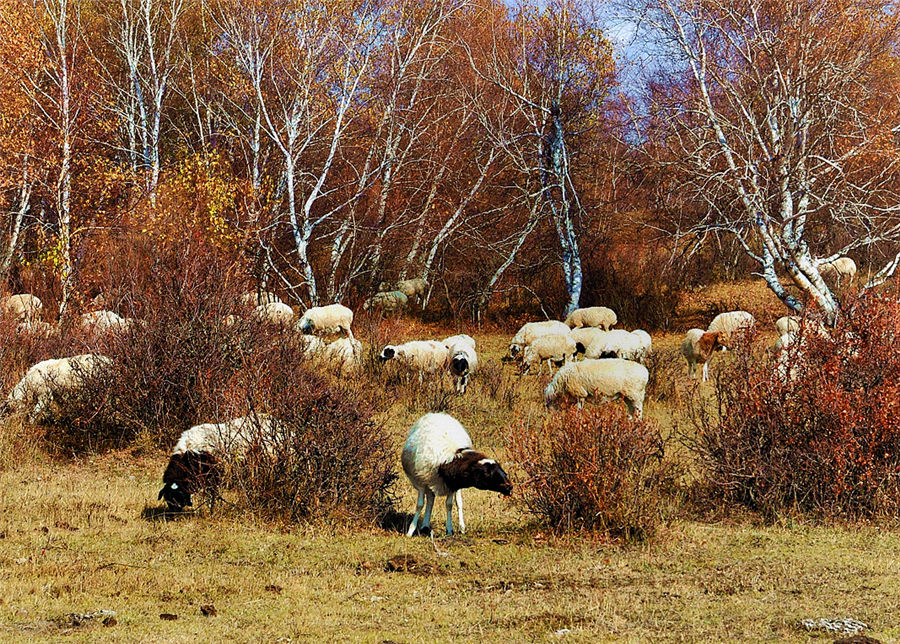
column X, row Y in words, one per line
column 393, row 521
column 161, row 513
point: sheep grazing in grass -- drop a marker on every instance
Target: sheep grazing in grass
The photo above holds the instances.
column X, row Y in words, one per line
column 23, row 307
column 418, row 356
column 646, row 344
column 551, row 349
column 594, row 316
column 608, row 379
column 730, row 324
column 387, row 302
column 532, row 330
column 344, row 356
column 252, row 300
column 463, row 360
column 327, row 320
column 311, row 346
column 787, row 324
column 46, row 385
column 784, row 340
column 195, row 459
column 413, row 289
column 273, row 314
column 843, row 269
column 584, row 336
column 99, row 323
column 439, row 460
column 618, row 343
column 697, row 348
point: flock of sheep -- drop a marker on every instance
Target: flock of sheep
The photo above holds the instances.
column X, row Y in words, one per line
column 438, row 457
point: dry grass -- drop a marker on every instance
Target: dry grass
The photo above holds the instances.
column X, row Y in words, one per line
column 79, row 536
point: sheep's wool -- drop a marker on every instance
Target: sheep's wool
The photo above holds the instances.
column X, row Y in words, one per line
column 433, row 440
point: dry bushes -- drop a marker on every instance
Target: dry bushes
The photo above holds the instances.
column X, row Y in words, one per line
column 822, row 436
column 596, row 469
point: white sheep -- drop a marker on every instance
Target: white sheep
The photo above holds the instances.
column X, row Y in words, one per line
column 784, row 340
column 23, row 307
column 412, row 289
column 99, row 323
column 439, row 460
column 607, row 379
column 787, row 324
column 617, row 343
column 194, row 463
column 551, row 348
column 731, row 323
column 312, row 346
column 254, row 299
column 697, row 348
column 327, row 320
column 418, row 356
column 593, row 316
column 532, row 330
column 646, row 344
column 273, row 314
column 37, row 329
column 45, row 385
column 344, row 356
column 584, row 336
column 387, row 302
column 463, row 360
column 840, row 270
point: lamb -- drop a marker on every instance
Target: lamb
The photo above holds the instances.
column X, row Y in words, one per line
column 45, row 385
column 841, row 269
column 550, row 348
column 463, row 360
column 422, row 356
column 618, row 343
column 730, row 323
column 787, row 324
column 344, row 355
column 697, row 348
column 254, row 299
column 326, row 320
column 439, row 460
column 387, row 302
column 594, row 316
column 195, row 459
column 531, row 330
column 607, row 379
column 21, row 308
column 274, row 314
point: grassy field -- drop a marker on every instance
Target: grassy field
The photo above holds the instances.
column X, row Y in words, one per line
column 87, row 535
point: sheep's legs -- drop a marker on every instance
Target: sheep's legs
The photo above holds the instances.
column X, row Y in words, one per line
column 450, row 513
column 706, row 371
column 429, row 504
column 462, row 522
column 415, row 520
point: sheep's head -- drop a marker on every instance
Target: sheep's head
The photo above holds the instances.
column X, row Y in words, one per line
column 460, row 363
column 488, row 475
column 387, row 353
column 470, row 468
column 515, row 351
column 305, row 325
column 176, row 496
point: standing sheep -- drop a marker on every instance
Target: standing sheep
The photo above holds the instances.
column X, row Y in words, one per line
column 438, row 460
column 99, row 323
column 252, row 300
column 273, row 314
column 787, row 324
column 421, row 356
column 45, row 385
column 646, row 344
column 608, row 379
column 594, row 316
column 195, row 459
column 550, row 348
column 413, row 289
column 697, row 348
column 463, row 360
column 840, row 270
column 327, row 320
column 617, row 343
column 532, row 330
column 731, row 323
column 344, row 356
column 23, row 307
column 387, row 302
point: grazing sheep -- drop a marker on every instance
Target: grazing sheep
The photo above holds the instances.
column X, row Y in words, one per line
column 37, row 329
column 550, row 348
column 594, row 316
column 617, row 343
column 39, row 391
column 727, row 324
column 387, row 302
column 252, row 300
column 422, row 356
column 344, row 356
column 784, row 340
column 608, row 379
column 21, row 308
column 646, row 344
column 194, row 461
column 698, row 348
column 840, row 270
column 531, row 330
column 274, row 314
column 787, row 324
column 311, row 346
column 412, row 289
column 327, row 320
column 463, row 360
column 439, row 461
column 584, row 336
column 98, row 323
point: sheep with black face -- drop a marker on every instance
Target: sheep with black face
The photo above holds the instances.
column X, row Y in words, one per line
column 439, row 460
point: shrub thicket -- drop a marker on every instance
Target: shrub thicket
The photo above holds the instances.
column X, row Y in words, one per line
column 820, row 433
